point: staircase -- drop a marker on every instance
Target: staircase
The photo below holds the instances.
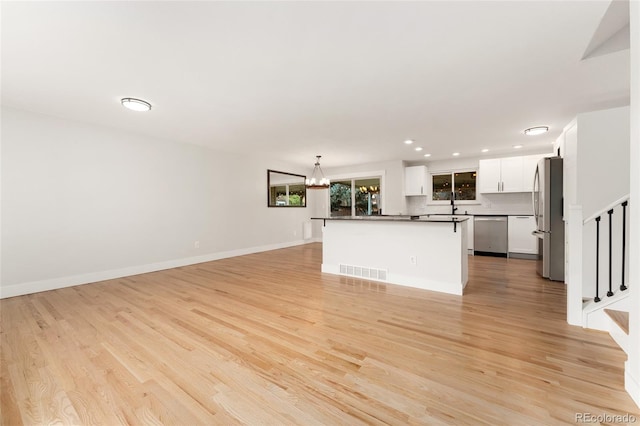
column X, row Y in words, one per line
column 604, row 287
column 619, row 327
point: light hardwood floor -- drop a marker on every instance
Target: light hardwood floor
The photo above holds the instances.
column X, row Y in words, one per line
column 268, row 339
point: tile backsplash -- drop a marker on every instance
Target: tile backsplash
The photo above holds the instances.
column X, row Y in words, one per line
column 517, row 203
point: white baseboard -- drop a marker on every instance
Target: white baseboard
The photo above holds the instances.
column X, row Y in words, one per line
column 70, row 281
column 631, row 385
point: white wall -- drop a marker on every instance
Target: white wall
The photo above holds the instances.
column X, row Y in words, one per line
column 595, row 148
column 603, row 158
column 632, row 370
column 82, row 203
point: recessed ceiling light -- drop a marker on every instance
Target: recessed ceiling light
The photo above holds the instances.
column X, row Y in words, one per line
column 532, row 131
column 517, row 146
column 485, row 150
column 427, row 155
column 455, row 154
column 418, row 148
column 135, row 104
column 408, row 142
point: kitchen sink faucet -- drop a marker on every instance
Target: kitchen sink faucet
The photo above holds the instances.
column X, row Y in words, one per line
column 453, row 199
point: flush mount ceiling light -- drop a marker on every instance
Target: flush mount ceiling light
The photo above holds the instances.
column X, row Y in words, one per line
column 485, row 150
column 455, row 154
column 317, row 180
column 418, row 148
column 427, row 155
column 135, row 104
column 408, row 142
column 533, row 131
column 517, row 146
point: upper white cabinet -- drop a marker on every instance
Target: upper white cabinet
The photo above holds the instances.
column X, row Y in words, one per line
column 415, row 180
column 489, row 175
column 512, row 174
column 500, row 175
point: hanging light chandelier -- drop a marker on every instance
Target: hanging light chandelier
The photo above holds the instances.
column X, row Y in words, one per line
column 317, row 180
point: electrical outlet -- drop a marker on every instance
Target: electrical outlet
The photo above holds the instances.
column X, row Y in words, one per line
column 196, row 244
column 413, row 260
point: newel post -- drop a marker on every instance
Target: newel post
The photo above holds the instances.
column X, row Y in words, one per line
column 574, row 284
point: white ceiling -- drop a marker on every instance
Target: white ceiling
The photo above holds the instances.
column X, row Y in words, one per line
column 347, row 80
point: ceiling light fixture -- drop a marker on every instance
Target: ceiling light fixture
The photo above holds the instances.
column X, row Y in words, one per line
column 533, row 131
column 317, row 180
column 427, row 155
column 408, row 142
column 455, row 154
column 485, row 150
column 517, row 146
column 135, row 104
column 418, row 148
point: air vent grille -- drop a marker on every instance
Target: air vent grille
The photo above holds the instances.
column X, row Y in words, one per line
column 364, row 272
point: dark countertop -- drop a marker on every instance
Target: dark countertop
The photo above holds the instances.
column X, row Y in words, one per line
column 382, row 218
column 476, row 214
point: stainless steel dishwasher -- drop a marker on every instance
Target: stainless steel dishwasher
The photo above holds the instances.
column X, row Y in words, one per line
column 490, row 235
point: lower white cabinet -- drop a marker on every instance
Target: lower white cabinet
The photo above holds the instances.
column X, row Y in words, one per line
column 520, row 238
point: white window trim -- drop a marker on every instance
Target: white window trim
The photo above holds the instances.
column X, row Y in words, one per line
column 432, row 202
column 360, row 175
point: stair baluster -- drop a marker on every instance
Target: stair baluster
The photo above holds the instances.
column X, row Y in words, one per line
column 610, row 213
column 597, row 298
column 623, row 287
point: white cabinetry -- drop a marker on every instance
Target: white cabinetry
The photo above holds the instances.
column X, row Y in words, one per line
column 511, row 174
column 500, row 175
column 520, row 238
column 415, row 180
column 470, row 234
column 489, row 172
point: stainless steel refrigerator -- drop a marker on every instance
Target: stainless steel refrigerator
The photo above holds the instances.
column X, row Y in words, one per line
column 547, row 209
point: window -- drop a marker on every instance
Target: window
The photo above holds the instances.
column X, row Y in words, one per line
column 367, row 197
column 355, row 197
column 340, row 195
column 462, row 183
column 442, row 185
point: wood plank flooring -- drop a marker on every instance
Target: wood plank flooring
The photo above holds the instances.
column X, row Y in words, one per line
column 268, row 339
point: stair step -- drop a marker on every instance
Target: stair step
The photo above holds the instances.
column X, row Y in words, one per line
column 619, row 317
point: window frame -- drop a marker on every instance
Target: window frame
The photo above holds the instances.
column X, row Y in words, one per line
column 452, row 173
column 380, row 174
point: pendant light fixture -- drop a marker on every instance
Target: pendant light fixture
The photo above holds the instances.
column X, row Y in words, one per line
column 317, row 180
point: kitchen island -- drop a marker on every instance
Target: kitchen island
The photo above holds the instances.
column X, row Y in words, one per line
column 423, row 252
